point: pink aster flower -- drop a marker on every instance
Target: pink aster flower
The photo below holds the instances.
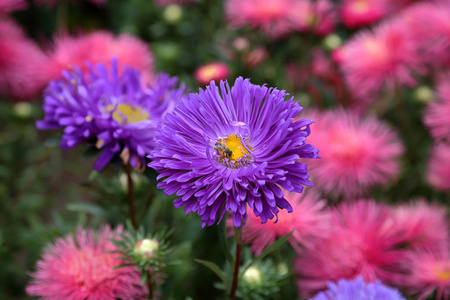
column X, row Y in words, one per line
column 314, row 16
column 7, row 6
column 438, row 174
column 356, row 154
column 21, row 62
column 422, row 225
column 429, row 27
column 79, row 267
column 100, row 47
column 437, row 114
column 360, row 242
column 271, row 16
column 357, row 13
column 428, row 272
column 211, row 71
column 308, row 219
column 387, row 57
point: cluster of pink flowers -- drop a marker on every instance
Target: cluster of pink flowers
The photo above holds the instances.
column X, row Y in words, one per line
column 277, row 18
column 404, row 246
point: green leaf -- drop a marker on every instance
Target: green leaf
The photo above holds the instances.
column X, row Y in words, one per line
column 213, row 267
column 268, row 250
column 122, row 265
column 86, row 208
column 93, row 175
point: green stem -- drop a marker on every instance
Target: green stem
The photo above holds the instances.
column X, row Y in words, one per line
column 237, row 262
column 131, row 196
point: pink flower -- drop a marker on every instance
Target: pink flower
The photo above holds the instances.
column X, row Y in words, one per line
column 21, row 62
column 386, row 57
column 308, row 219
column 356, row 154
column 357, row 13
column 437, row 114
column 428, row 272
column 211, row 71
column 438, row 174
column 360, row 242
column 271, row 16
column 7, row 6
column 100, row 47
column 79, row 267
column 314, row 16
column 422, row 225
column 429, row 27
column 255, row 57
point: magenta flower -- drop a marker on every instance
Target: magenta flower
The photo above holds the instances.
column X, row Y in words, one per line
column 438, row 174
column 99, row 47
column 21, row 62
column 318, row 17
column 308, row 220
column 356, row 154
column 211, row 71
column 437, row 113
column 361, row 241
column 357, row 13
column 80, row 267
column 387, row 57
column 8, row 6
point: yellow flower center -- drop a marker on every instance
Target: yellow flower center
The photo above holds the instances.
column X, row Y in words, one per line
column 209, row 72
column 126, row 114
column 443, row 272
column 232, row 151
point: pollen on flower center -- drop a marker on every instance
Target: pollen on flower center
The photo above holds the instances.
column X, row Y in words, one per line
column 126, row 113
column 443, row 273
column 361, row 6
column 233, row 151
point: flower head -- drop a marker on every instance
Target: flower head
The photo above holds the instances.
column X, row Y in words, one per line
column 422, row 225
column 358, row 289
column 99, row 47
column 21, row 62
column 437, row 113
column 7, row 6
column 362, row 241
column 212, row 71
column 114, row 112
column 308, row 220
column 80, row 267
column 387, row 57
column 357, row 13
column 428, row 272
column 223, row 148
column 273, row 17
column 438, row 174
column 313, row 16
column 356, row 153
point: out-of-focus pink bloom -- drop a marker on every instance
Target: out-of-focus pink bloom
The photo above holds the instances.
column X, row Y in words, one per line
column 308, row 219
column 437, row 114
column 21, row 63
column 168, row 2
column 422, row 225
column 321, row 65
column 356, row 153
column 211, row 71
column 386, row 57
column 7, row 6
column 429, row 27
column 255, row 57
column 316, row 16
column 428, row 272
column 357, row 13
column 438, row 174
column 360, row 242
column 271, row 16
column 100, row 47
column 79, row 267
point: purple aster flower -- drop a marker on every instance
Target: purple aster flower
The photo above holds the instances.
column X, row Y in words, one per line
column 358, row 289
column 111, row 111
column 223, row 150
